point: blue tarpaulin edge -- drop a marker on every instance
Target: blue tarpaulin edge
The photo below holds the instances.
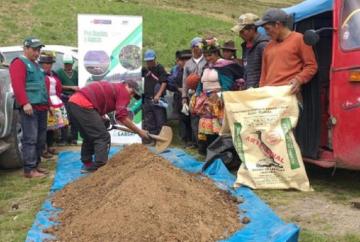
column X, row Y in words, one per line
column 264, row 224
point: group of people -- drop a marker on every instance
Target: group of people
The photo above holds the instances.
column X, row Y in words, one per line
column 200, row 76
column 274, row 57
column 41, row 97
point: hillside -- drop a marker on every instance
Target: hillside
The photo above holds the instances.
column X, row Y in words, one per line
column 168, row 25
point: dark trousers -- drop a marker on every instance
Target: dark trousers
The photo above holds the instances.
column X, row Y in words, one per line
column 185, row 128
column 65, row 130
column 96, row 139
column 50, row 138
column 33, row 137
column 194, row 119
column 154, row 117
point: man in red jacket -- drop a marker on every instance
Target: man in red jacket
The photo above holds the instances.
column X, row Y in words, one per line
column 28, row 82
column 88, row 105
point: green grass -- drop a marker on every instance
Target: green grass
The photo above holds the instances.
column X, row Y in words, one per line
column 311, row 236
column 168, row 26
column 20, row 200
column 165, row 29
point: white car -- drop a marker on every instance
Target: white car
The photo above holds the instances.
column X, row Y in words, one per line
column 10, row 52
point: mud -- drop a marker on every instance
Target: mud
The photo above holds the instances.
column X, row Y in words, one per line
column 139, row 196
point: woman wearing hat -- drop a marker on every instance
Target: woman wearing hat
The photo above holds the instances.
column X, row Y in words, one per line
column 57, row 116
column 219, row 75
column 228, row 50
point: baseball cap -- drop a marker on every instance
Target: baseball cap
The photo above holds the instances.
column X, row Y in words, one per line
column 196, row 42
column 33, row 42
column 68, row 59
column 135, row 86
column 272, row 15
column 245, row 19
column 149, row 55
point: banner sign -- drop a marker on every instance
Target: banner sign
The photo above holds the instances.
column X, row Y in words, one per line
column 110, row 50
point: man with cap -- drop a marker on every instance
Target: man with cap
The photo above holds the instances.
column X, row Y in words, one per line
column 89, row 105
column 175, row 84
column 287, row 60
column 193, row 68
column 69, row 80
column 252, row 47
column 28, row 82
column 155, row 81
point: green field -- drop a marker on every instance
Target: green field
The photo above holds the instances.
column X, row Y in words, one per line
column 168, row 26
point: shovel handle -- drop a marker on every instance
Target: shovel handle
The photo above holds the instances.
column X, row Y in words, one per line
column 153, row 136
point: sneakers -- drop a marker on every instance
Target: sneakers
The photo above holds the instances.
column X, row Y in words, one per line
column 88, row 169
column 34, row 173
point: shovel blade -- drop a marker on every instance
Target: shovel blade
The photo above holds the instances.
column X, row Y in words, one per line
column 163, row 139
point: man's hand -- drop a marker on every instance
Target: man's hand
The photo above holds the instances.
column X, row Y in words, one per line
column 75, row 88
column 144, row 134
column 295, row 86
column 51, row 110
column 28, row 109
column 156, row 99
column 184, row 101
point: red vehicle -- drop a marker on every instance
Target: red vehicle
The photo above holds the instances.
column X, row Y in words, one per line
column 329, row 127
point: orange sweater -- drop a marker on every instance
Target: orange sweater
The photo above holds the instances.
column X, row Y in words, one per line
column 286, row 60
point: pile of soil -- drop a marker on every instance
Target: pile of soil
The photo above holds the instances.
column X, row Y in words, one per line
column 139, row 196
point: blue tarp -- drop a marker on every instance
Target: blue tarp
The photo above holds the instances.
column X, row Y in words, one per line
column 264, row 225
column 309, row 8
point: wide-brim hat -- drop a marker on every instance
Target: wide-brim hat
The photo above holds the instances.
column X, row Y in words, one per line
column 229, row 45
column 47, row 57
column 185, row 54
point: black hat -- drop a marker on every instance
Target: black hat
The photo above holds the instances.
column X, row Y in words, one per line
column 272, row 15
column 229, row 45
column 185, row 54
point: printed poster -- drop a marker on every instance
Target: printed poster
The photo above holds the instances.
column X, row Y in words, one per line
column 110, row 50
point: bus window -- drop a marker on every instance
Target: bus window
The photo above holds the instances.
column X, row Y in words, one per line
column 350, row 25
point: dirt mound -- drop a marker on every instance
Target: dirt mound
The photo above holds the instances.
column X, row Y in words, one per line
column 139, row 196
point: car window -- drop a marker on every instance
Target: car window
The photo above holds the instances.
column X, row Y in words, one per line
column 9, row 56
column 350, row 25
